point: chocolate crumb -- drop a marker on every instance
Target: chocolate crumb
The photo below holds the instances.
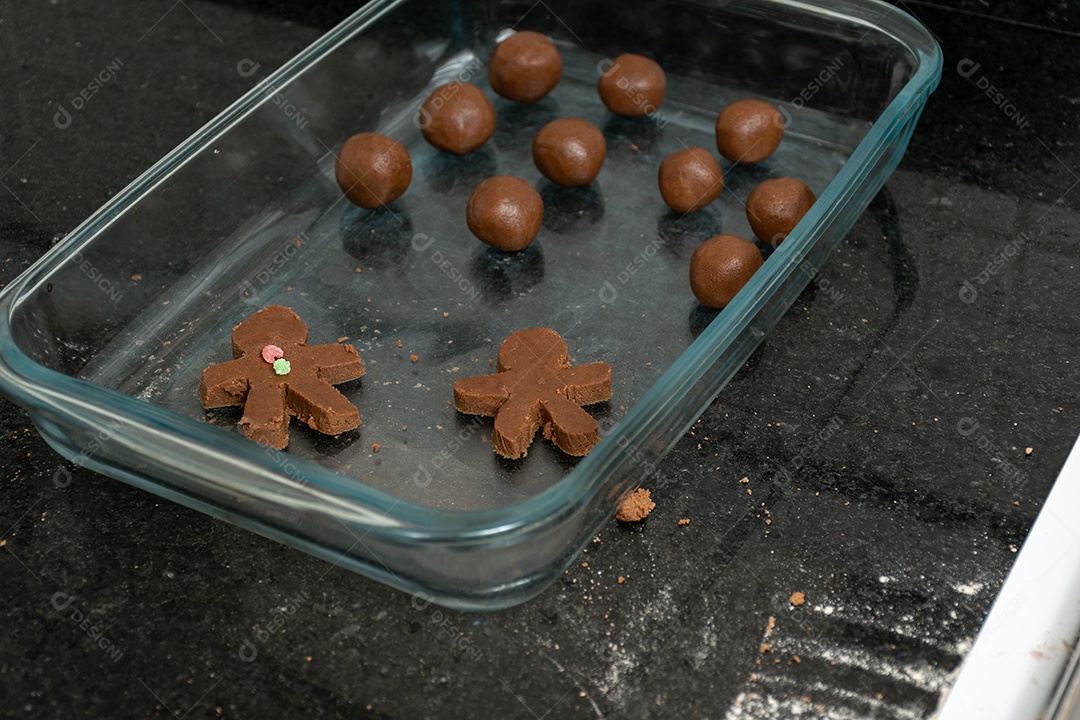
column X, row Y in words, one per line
column 636, row 506
column 797, row 598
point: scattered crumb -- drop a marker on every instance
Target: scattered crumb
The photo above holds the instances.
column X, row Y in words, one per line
column 343, row 338
column 684, row 521
column 446, row 314
column 634, row 147
column 745, row 480
column 879, row 696
column 356, row 270
column 375, row 447
column 637, row 506
column 1016, row 503
column 584, row 564
column 490, row 361
column 398, row 343
column 414, row 358
column 795, row 659
column 797, row 598
column 136, row 277
column 749, row 491
column 296, row 242
column 1028, row 451
column 766, row 647
column 621, row 580
column 404, row 427
column 308, row 658
column 768, row 521
column 806, row 699
column 770, row 626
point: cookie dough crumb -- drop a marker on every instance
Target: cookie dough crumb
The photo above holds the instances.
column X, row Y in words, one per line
column 414, row 358
column 684, row 521
column 636, row 506
column 375, row 447
column 797, row 598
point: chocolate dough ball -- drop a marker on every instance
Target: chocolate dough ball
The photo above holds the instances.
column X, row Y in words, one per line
column 690, row 179
column 525, row 67
column 748, row 131
column 720, row 267
column 373, row 170
column 569, row 151
column 776, row 206
column 457, row 118
column 632, row 86
column 505, row 212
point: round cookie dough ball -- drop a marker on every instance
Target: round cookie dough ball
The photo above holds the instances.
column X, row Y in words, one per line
column 373, row 170
column 720, row 267
column 632, row 86
column 569, row 151
column 457, row 118
column 525, row 67
column 776, row 206
column 690, row 179
column 748, row 131
column 505, row 212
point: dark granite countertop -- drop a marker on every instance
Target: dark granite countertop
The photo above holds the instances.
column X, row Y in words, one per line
column 911, row 493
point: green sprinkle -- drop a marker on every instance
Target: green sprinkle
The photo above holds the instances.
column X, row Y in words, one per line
column 282, row 366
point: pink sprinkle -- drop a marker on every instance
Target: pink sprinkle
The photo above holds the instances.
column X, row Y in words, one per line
column 270, row 353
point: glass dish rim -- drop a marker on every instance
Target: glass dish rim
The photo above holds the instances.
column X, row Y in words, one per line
column 41, row 389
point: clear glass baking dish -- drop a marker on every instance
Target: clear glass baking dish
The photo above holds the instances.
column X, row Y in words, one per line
column 103, row 339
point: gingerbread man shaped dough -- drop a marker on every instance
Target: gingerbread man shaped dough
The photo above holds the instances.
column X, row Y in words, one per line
column 535, row 387
column 275, row 375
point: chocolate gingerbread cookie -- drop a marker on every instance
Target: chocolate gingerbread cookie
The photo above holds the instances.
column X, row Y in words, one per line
column 275, row 375
column 535, row 387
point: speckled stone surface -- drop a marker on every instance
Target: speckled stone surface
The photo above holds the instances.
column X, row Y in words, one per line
column 882, row 427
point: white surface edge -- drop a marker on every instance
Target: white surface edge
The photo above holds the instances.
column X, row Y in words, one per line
column 1021, row 651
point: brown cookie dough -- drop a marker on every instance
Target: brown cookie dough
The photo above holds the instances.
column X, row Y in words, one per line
column 720, row 267
column 690, row 179
column 776, row 206
column 373, row 170
column 505, row 212
column 535, row 387
column 569, row 151
column 275, row 375
column 636, row 507
column 525, row 67
column 457, row 117
column 748, row 131
column 632, row 86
